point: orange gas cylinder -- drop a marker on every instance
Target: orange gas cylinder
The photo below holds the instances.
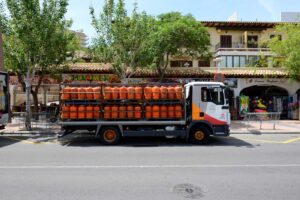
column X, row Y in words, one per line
column 97, row 93
column 178, row 111
column 123, row 92
column 81, row 93
column 81, row 112
column 163, row 92
column 115, row 93
column 130, row 92
column 130, row 113
column 74, row 93
column 148, row 93
column 163, row 112
column 89, row 93
column 73, row 112
column 171, row 92
column 137, row 112
column 138, row 91
column 107, row 93
column 122, row 112
column 65, row 112
column 114, row 112
column 178, row 92
column 155, row 92
column 171, row 113
column 66, row 93
column 148, row 112
column 89, row 112
column 155, row 112
column 96, row 112
column 107, row 112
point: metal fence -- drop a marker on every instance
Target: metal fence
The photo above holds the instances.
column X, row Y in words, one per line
column 38, row 120
column 261, row 117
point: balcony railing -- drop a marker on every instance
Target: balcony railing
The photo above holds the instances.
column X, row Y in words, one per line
column 236, row 46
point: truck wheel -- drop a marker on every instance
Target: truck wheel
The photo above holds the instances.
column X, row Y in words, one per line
column 199, row 135
column 110, row 135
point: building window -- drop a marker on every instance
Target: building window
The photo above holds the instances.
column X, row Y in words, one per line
column 229, row 61
column 242, row 61
column 204, row 63
column 252, row 41
column 226, row 41
column 181, row 63
column 279, row 37
column 232, row 61
column 236, row 61
column 252, row 60
column 223, row 61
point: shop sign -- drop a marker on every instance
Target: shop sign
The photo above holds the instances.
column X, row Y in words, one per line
column 265, row 81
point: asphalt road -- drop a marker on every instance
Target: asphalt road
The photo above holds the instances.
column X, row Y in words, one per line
column 240, row 167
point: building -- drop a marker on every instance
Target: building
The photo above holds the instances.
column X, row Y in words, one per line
column 237, row 50
column 83, row 38
column 290, row 16
column 240, row 47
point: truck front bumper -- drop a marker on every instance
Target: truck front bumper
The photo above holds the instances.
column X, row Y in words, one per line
column 222, row 130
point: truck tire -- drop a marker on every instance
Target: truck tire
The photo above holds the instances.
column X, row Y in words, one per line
column 199, row 135
column 110, row 135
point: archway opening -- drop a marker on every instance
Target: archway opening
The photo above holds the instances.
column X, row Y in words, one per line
column 266, row 99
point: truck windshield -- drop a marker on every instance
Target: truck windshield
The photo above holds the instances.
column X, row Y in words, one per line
column 212, row 94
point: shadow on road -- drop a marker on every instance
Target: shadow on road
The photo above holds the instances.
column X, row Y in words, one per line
column 90, row 141
column 5, row 141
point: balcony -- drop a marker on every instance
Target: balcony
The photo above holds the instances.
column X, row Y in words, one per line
column 241, row 49
column 236, row 46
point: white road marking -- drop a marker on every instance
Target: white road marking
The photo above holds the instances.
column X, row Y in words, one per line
column 147, row 166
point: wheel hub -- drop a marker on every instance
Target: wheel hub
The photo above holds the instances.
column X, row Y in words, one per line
column 109, row 135
column 199, row 135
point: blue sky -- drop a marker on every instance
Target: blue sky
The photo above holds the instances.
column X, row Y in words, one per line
column 247, row 10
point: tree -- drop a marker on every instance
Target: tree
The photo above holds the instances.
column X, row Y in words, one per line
column 288, row 47
column 177, row 35
column 36, row 42
column 1, row 41
column 122, row 39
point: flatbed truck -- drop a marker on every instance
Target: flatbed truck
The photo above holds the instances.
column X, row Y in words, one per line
column 205, row 113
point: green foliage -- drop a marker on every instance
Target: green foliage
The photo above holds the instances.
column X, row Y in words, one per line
column 36, row 39
column 122, row 39
column 36, row 35
column 261, row 62
column 177, row 35
column 288, row 47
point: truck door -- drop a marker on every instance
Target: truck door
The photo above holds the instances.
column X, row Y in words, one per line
column 209, row 104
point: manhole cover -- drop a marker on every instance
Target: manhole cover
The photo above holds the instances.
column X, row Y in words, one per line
column 188, row 191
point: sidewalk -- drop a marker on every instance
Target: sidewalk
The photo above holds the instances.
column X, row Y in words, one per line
column 281, row 127
column 15, row 130
column 236, row 127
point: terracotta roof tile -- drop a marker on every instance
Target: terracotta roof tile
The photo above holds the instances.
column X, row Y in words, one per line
column 184, row 72
column 89, row 67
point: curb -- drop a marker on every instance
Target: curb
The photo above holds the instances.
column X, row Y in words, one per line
column 265, row 132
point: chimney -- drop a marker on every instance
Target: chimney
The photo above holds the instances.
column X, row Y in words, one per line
column 1, row 54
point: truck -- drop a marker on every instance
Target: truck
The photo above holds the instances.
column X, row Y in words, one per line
column 194, row 111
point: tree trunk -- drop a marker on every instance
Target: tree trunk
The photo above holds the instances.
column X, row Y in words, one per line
column 163, row 67
column 28, row 112
column 35, row 93
column 35, row 104
column 21, row 81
